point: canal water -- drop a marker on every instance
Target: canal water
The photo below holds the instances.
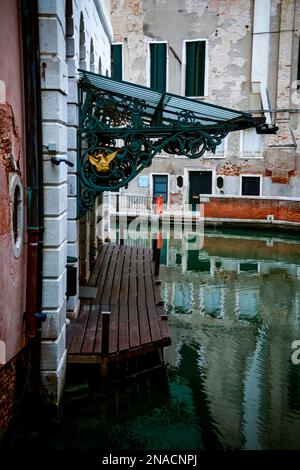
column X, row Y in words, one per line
column 233, row 301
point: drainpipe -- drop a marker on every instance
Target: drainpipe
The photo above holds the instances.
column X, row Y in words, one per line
column 34, row 183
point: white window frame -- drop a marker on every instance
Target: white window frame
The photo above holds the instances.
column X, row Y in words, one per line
column 248, row 261
column 123, row 68
column 183, row 72
column 238, row 302
column 246, row 155
column 148, row 62
column 151, row 184
column 220, row 154
column 260, row 184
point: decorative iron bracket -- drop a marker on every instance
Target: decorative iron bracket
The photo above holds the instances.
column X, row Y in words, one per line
column 119, row 135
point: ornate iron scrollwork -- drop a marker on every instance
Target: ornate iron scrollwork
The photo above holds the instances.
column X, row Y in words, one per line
column 117, row 140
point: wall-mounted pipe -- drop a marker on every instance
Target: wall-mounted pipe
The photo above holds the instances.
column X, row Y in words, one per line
column 34, row 177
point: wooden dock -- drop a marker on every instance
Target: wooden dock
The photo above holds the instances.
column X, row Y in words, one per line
column 126, row 317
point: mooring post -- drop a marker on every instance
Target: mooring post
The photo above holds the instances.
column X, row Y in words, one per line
column 121, row 234
column 105, row 330
column 156, row 254
column 105, row 341
column 154, row 248
column 157, row 262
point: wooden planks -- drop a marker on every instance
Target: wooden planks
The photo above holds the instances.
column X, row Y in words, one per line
column 126, row 288
column 80, row 328
column 91, row 328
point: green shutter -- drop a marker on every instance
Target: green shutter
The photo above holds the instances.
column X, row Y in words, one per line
column 195, row 68
column 116, row 61
column 158, row 66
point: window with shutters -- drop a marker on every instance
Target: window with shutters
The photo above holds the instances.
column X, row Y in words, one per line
column 221, row 150
column 250, row 144
column 158, row 66
column 251, row 186
column 116, row 61
column 195, row 68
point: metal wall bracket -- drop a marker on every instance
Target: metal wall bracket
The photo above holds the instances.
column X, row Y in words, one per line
column 123, row 126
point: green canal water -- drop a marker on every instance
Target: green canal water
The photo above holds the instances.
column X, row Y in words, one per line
column 233, row 301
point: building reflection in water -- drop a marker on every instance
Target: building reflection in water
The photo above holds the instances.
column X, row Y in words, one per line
column 234, row 311
column 237, row 301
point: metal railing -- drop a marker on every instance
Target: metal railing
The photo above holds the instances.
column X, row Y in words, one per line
column 130, row 204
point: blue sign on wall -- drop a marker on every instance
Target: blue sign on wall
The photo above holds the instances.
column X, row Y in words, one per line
column 143, row 181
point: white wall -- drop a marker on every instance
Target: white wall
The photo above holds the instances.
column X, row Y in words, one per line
column 59, row 24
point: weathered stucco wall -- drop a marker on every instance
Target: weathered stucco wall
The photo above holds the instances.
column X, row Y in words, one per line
column 228, row 26
column 12, row 167
column 13, row 269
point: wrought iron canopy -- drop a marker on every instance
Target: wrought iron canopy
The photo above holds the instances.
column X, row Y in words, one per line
column 122, row 126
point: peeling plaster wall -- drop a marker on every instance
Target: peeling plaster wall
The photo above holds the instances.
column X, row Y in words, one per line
column 13, row 269
column 228, row 27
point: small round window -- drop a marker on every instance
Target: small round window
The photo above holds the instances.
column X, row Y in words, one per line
column 16, row 210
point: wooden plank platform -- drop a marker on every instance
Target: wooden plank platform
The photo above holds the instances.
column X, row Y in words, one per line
column 137, row 324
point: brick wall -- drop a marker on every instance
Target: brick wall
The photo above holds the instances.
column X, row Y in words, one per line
column 257, row 209
column 14, row 385
column 7, row 395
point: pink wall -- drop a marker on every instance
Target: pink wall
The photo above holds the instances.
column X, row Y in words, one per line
column 12, row 269
column 11, row 57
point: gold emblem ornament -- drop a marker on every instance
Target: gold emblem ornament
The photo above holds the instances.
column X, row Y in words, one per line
column 102, row 161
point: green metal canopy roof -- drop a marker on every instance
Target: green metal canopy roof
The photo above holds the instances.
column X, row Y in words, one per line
column 170, row 107
column 122, row 126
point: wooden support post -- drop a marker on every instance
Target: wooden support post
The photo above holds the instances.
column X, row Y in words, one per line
column 154, row 248
column 157, row 262
column 156, row 244
column 104, row 368
column 121, row 234
column 105, row 331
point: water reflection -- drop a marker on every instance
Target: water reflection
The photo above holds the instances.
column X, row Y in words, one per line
column 234, row 311
column 240, row 299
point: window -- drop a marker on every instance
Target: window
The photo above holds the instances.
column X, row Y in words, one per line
column 221, row 150
column 158, row 66
column 298, row 71
column 195, row 52
column 16, row 210
column 160, row 187
column 16, row 214
column 82, row 51
column 213, row 301
column 250, row 144
column 116, row 61
column 248, row 304
column 92, row 56
column 250, row 185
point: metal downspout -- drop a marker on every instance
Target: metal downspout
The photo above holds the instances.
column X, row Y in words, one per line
column 34, row 183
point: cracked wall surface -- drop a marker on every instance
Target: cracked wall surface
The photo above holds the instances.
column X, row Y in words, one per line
column 13, row 268
column 228, row 26
column 13, row 272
